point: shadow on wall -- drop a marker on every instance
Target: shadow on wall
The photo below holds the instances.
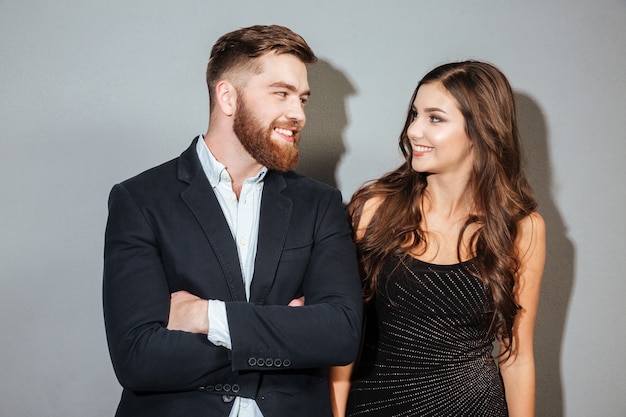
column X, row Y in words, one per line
column 558, row 277
column 322, row 144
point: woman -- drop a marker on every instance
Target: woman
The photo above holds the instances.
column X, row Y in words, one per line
column 452, row 251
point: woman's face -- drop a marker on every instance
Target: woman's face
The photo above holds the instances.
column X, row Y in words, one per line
column 440, row 145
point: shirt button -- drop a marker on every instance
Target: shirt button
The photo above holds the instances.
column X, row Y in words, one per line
column 243, row 241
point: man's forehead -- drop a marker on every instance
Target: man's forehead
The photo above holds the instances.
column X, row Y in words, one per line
column 284, row 71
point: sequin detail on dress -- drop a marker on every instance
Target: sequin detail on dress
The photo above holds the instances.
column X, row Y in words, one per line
column 426, row 352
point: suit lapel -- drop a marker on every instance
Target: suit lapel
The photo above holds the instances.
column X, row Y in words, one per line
column 273, row 226
column 201, row 200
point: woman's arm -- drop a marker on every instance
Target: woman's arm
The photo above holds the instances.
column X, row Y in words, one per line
column 518, row 372
column 339, row 378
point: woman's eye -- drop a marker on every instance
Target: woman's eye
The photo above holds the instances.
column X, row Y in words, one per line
column 435, row 119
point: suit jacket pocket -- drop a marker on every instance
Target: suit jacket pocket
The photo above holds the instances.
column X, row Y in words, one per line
column 297, row 253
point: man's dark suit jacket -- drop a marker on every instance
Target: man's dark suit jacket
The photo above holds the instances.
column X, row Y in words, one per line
column 166, row 232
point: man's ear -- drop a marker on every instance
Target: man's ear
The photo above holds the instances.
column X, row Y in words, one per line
column 226, row 95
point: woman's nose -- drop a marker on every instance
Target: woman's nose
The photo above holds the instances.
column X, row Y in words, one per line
column 415, row 129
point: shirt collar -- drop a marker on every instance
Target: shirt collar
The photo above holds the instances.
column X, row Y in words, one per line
column 215, row 170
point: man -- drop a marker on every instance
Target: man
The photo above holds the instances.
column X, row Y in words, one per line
column 209, row 257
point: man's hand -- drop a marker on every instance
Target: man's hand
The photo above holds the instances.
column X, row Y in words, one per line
column 188, row 313
column 296, row 302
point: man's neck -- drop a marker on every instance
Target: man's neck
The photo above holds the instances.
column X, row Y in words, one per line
column 239, row 164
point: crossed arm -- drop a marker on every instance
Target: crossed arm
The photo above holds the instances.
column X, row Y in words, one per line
column 189, row 312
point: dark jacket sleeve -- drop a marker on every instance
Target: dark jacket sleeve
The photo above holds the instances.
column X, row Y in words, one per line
column 326, row 330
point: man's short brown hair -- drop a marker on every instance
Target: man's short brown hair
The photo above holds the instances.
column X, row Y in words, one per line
column 239, row 49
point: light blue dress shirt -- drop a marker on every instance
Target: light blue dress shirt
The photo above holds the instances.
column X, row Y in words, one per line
column 242, row 216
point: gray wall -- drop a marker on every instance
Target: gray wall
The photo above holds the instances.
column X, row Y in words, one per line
column 94, row 92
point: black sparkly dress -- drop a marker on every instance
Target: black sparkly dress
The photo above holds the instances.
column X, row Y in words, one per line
column 426, row 352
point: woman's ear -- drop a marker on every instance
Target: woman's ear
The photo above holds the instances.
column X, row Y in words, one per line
column 226, row 95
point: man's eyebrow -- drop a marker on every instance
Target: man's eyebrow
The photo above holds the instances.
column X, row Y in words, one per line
column 290, row 87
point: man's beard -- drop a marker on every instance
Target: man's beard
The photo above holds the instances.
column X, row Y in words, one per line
column 257, row 140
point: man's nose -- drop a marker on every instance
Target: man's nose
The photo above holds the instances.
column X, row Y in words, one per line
column 295, row 112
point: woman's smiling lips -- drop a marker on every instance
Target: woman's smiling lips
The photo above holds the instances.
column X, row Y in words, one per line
column 421, row 149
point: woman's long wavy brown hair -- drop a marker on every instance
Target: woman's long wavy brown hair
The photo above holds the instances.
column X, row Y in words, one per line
column 501, row 193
